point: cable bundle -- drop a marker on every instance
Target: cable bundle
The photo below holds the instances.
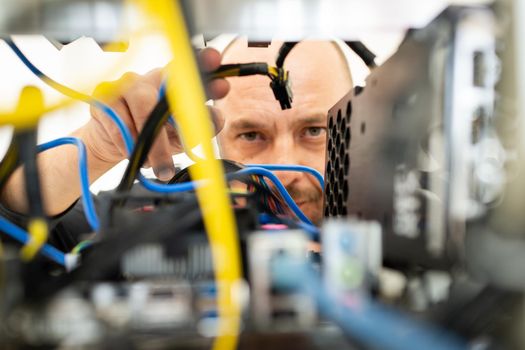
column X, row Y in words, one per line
column 218, row 218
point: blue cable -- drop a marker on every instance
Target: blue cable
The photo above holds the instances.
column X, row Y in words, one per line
column 189, row 186
column 128, row 139
column 123, row 128
column 24, row 59
column 292, row 167
column 23, row 237
column 162, row 90
column 168, row 188
column 375, row 325
column 271, row 176
column 87, row 198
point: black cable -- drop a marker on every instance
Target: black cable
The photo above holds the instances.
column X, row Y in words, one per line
column 281, row 85
column 240, row 69
column 230, row 166
column 363, row 52
column 152, row 127
column 9, row 163
column 283, row 52
column 280, row 80
column 28, row 155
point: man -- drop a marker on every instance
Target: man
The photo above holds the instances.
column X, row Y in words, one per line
column 255, row 129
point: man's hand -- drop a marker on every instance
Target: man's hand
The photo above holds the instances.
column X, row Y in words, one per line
column 105, row 141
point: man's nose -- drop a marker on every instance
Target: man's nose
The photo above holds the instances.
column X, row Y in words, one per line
column 286, row 154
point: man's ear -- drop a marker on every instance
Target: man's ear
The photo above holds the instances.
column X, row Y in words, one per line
column 217, row 119
column 218, row 122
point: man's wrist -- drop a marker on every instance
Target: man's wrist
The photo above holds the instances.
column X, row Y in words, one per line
column 99, row 160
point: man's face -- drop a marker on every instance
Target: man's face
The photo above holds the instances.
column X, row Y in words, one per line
column 256, row 130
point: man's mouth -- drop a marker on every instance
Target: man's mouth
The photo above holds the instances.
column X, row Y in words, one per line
column 301, row 203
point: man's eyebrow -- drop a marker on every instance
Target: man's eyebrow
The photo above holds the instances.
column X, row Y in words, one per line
column 316, row 118
column 245, row 123
column 256, row 123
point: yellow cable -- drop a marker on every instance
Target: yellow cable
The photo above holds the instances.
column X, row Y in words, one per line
column 38, row 232
column 29, row 118
column 30, row 104
column 226, row 73
column 186, row 97
column 273, row 71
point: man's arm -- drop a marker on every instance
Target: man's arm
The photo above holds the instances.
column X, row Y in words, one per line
column 104, row 144
column 59, row 177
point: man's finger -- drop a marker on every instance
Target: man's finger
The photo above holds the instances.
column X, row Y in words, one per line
column 217, row 88
column 209, row 59
column 154, row 77
column 109, row 91
column 160, row 157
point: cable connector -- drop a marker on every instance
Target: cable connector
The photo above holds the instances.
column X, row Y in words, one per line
column 72, row 261
column 280, row 79
column 282, row 90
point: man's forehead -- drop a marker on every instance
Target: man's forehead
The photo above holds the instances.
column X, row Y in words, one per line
column 319, row 76
column 239, row 52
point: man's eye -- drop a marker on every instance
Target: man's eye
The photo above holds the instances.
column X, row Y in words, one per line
column 315, row 131
column 250, row 136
